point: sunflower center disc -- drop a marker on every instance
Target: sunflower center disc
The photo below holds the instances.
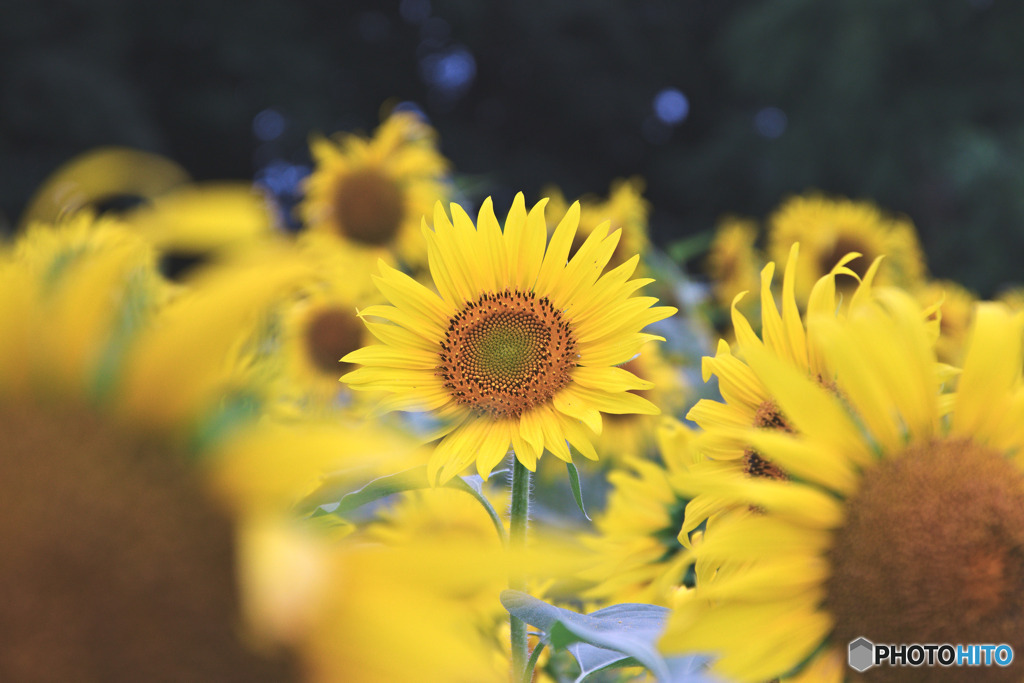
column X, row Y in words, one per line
column 932, row 551
column 506, row 353
column 843, row 245
column 331, row 334
column 103, row 527
column 368, row 207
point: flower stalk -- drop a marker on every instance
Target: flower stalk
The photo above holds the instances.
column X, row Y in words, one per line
column 518, row 522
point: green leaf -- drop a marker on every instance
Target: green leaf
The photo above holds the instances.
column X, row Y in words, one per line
column 687, row 248
column 381, row 487
column 474, row 486
column 620, row 635
column 334, row 496
column 574, row 482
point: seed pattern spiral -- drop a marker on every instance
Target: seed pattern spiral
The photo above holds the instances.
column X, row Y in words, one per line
column 506, row 353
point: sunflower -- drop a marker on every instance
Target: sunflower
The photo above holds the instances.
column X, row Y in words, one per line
column 319, row 589
column 828, row 228
column 111, row 385
column 955, row 312
column 732, row 261
column 518, row 347
column 373, row 193
column 101, row 176
column 637, row 557
column 746, row 401
column 317, row 584
column 903, row 522
column 321, row 325
column 625, row 207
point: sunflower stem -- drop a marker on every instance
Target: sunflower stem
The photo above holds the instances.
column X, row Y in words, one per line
column 518, row 522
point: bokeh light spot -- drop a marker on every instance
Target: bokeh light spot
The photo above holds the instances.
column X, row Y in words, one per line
column 671, row 106
column 268, row 125
column 451, row 71
column 770, row 122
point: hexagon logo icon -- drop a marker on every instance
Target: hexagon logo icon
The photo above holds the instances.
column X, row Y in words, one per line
column 862, row 654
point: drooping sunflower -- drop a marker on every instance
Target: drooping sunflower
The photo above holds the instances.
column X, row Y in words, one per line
column 904, row 522
column 112, row 383
column 828, row 228
column 625, row 207
column 373, row 193
column 519, row 345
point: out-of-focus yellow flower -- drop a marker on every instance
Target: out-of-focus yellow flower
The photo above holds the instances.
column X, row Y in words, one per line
column 518, row 347
column 101, row 175
column 829, row 228
column 422, row 578
column 732, row 261
column 626, row 210
column 110, row 385
column 321, row 325
column 179, row 217
column 900, row 496
column 955, row 314
column 373, row 193
column 637, row 555
column 1012, row 297
column 205, row 218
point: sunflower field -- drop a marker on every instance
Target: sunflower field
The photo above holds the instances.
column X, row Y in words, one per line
column 388, row 425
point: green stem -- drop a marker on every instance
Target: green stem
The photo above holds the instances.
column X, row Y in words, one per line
column 519, row 517
column 532, row 664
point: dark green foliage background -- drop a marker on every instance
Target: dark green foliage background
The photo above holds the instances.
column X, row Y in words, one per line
column 916, row 105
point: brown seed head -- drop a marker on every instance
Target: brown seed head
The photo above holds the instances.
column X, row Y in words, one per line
column 932, row 551
column 505, row 353
column 368, row 207
column 115, row 566
column 331, row 334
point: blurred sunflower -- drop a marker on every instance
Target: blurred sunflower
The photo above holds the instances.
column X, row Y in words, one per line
column 829, row 228
column 625, row 208
column 1012, row 297
column 321, row 325
column 187, row 222
column 519, row 348
column 903, row 523
column 732, row 261
column 345, row 597
column 373, row 193
column 955, row 312
column 110, row 385
column 637, row 555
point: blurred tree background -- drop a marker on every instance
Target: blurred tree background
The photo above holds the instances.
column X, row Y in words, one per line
column 724, row 107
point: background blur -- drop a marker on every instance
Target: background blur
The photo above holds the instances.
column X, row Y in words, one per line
column 724, row 107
